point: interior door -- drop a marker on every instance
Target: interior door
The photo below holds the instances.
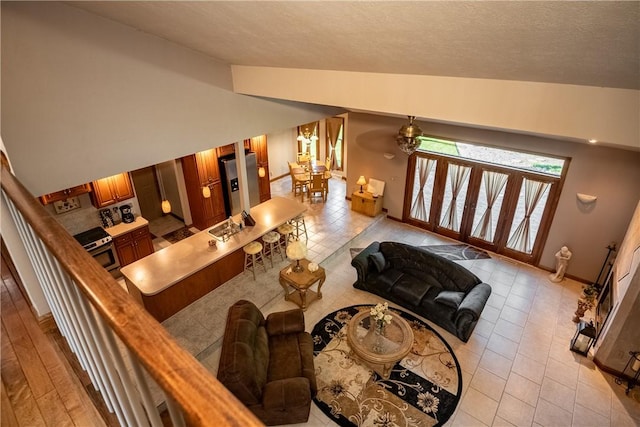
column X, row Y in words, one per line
column 146, row 185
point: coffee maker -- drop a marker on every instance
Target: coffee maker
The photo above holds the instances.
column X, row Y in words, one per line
column 126, row 214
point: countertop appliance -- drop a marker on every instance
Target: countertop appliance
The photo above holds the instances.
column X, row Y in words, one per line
column 231, row 186
column 126, row 214
column 99, row 244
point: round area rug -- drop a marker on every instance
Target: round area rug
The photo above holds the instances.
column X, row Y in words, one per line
column 423, row 389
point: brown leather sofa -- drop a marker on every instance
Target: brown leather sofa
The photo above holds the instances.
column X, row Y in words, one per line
column 268, row 364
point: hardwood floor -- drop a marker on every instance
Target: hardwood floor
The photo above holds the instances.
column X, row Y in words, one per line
column 39, row 386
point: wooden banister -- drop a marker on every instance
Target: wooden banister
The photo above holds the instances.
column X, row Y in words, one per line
column 201, row 398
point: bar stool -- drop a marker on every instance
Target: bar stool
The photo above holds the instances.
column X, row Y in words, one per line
column 253, row 255
column 272, row 245
column 299, row 226
column 285, row 231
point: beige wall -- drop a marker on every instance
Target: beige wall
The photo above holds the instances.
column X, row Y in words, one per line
column 84, row 97
column 611, row 174
column 571, row 111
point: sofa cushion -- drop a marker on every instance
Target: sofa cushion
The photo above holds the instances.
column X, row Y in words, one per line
column 284, row 348
column 409, row 290
column 378, row 261
column 450, row 298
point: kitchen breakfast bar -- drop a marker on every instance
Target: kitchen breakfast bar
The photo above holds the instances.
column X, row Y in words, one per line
column 169, row 280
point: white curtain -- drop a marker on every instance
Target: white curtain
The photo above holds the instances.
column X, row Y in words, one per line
column 458, row 175
column 494, row 182
column 419, row 208
column 520, row 240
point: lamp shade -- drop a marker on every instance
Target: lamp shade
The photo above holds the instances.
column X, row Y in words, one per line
column 261, row 172
column 361, row 181
column 206, row 192
column 166, row 206
column 296, row 250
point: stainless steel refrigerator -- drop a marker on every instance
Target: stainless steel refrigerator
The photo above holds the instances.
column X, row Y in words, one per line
column 231, row 185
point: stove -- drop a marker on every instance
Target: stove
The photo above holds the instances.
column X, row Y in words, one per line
column 93, row 238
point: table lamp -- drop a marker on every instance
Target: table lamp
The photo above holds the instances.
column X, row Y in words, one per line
column 361, row 181
column 296, row 251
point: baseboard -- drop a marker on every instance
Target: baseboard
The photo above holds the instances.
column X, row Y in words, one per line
column 47, row 323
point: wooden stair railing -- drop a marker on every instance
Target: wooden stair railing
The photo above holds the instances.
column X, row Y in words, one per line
column 91, row 310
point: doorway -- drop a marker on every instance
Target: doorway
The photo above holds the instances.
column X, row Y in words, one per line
column 145, row 182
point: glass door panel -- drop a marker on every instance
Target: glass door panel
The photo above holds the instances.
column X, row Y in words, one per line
column 527, row 218
column 455, row 194
column 492, row 188
column 422, row 194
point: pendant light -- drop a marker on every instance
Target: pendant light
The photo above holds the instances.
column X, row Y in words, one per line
column 165, row 205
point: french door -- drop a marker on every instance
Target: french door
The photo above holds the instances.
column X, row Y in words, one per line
column 497, row 208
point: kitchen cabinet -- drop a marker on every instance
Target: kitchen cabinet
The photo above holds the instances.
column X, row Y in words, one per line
column 65, row 194
column 258, row 145
column 113, row 189
column 366, row 204
column 133, row 245
column 201, row 169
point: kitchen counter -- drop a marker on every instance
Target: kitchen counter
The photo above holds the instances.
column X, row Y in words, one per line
column 122, row 228
column 185, row 270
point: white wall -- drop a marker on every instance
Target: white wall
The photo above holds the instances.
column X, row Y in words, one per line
column 84, row 97
column 569, row 111
column 282, row 148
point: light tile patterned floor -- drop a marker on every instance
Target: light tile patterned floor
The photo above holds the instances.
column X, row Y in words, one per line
column 517, row 367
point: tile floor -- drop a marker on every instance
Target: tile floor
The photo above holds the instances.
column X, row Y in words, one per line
column 517, row 368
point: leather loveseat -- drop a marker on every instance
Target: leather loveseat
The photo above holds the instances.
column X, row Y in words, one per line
column 268, row 364
column 427, row 284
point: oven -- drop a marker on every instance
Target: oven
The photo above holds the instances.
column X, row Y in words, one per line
column 99, row 244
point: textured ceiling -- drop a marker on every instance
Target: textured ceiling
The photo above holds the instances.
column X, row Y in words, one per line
column 584, row 43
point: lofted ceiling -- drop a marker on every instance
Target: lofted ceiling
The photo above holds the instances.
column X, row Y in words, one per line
column 588, row 43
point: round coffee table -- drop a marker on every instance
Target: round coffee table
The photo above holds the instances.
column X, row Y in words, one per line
column 380, row 353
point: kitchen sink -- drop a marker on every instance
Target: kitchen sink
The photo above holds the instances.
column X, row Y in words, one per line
column 223, row 232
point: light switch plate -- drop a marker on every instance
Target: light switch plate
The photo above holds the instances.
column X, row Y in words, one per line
column 67, row 205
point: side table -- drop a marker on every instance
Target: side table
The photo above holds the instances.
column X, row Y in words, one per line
column 301, row 282
column 366, row 204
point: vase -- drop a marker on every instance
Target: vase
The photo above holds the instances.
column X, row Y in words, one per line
column 375, row 336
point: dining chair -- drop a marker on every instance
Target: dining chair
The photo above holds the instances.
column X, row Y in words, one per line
column 317, row 184
column 292, row 166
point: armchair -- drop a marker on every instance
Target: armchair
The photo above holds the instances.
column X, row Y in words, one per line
column 268, row 363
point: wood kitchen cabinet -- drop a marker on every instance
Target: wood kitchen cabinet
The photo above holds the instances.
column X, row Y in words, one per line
column 365, row 203
column 201, row 169
column 65, row 194
column 258, row 145
column 113, row 189
column 133, row 245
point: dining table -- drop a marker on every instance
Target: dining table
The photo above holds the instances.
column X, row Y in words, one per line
column 303, row 174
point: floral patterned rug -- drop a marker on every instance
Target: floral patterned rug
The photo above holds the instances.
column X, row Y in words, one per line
column 423, row 389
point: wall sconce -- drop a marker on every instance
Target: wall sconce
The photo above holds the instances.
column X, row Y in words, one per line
column 166, row 206
column 361, row 181
column 261, row 172
column 206, row 189
column 586, row 198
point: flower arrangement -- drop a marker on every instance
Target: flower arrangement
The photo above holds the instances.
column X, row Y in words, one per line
column 380, row 315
